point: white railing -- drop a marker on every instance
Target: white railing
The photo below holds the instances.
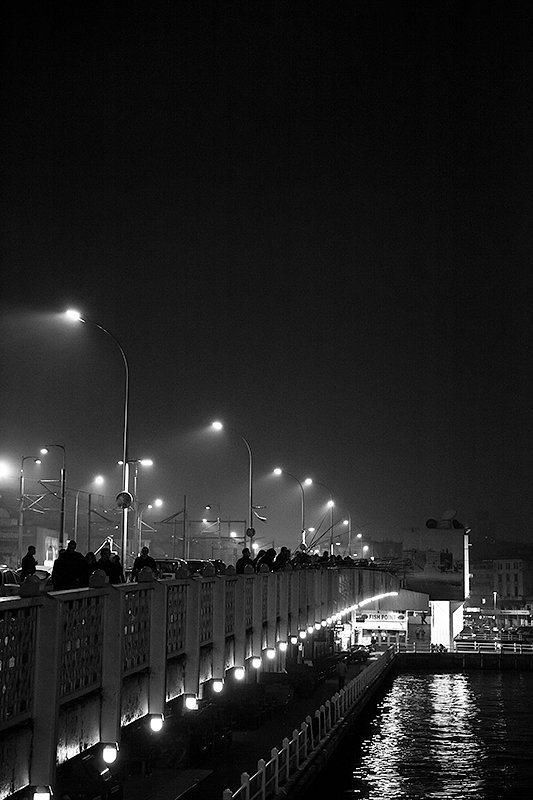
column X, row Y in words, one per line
column 296, row 752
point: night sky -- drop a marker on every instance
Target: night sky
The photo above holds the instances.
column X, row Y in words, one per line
column 312, row 221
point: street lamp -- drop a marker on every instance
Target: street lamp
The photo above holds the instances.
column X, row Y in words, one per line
column 21, row 502
column 307, row 482
column 74, row 315
column 218, row 426
column 62, row 490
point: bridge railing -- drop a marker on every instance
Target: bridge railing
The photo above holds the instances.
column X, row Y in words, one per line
column 78, row 666
column 296, row 753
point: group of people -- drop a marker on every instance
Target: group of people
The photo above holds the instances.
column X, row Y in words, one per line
column 72, row 570
column 264, row 561
column 268, row 560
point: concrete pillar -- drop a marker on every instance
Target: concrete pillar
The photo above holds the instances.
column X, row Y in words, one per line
column 112, row 667
column 219, row 626
column 192, row 637
column 158, row 649
column 240, row 624
column 46, row 700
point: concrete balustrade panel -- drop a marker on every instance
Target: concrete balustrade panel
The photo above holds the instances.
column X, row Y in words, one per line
column 18, row 625
column 230, row 588
column 176, row 616
column 136, row 618
column 206, row 610
column 82, row 631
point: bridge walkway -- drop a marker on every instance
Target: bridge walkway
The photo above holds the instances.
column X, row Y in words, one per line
column 222, row 768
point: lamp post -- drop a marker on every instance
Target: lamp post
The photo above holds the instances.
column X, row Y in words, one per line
column 218, row 426
column 21, row 503
column 331, row 506
column 307, row 482
column 348, row 522
column 62, row 489
column 144, row 462
column 76, row 316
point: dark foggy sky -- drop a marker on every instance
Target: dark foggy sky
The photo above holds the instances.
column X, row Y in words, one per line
column 311, row 220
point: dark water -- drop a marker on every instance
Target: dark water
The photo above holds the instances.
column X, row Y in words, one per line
column 441, row 736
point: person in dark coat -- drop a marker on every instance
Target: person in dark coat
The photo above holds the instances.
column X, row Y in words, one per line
column 143, row 560
column 90, row 566
column 28, row 563
column 267, row 560
column 69, row 569
column 244, row 561
column 282, row 559
column 113, row 569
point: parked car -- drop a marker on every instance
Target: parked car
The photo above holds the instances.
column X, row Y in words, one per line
column 43, row 573
column 9, row 583
column 358, row 654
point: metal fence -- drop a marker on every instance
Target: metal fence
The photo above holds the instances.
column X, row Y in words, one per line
column 296, row 753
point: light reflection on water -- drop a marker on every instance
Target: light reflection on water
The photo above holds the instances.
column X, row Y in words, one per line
column 444, row 736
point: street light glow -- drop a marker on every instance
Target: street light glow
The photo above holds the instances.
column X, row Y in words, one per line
column 99, row 480
column 158, row 502
column 146, row 462
column 278, row 471
column 330, row 503
column 217, row 426
column 74, row 315
column 308, row 482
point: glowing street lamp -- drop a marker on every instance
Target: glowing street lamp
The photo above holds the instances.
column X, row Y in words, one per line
column 75, row 316
column 307, row 482
column 218, row 426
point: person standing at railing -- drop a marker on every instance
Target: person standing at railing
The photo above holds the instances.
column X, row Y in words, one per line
column 143, row 560
column 28, row 564
column 341, row 670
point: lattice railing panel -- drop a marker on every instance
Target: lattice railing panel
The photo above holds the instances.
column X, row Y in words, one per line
column 82, row 634
column 176, row 618
column 17, row 646
column 206, row 611
column 135, row 629
column 248, row 601
column 264, row 597
column 229, row 626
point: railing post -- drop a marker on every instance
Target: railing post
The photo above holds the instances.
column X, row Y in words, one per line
column 227, row 794
column 46, row 701
column 219, row 625
column 296, row 737
column 285, row 748
column 274, row 756
column 309, row 722
column 328, row 715
column 192, row 636
column 158, row 650
column 261, row 769
column 245, row 783
column 112, row 666
column 304, row 726
column 317, row 717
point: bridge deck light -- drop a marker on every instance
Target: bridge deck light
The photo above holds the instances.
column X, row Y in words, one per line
column 302, row 634
column 156, row 722
column 256, row 662
column 271, row 653
column 239, row 673
column 110, row 752
column 191, row 702
column 218, row 685
column 294, row 640
column 310, row 628
column 282, row 646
